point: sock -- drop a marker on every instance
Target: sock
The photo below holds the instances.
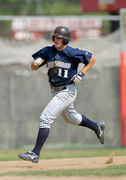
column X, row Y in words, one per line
column 42, row 136
column 88, row 123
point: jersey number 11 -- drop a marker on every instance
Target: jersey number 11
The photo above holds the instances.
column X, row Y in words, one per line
column 63, row 73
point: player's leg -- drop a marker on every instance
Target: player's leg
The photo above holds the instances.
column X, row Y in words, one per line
column 58, row 103
column 97, row 127
column 52, row 110
column 73, row 117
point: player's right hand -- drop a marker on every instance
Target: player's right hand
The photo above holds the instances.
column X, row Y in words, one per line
column 38, row 62
column 77, row 78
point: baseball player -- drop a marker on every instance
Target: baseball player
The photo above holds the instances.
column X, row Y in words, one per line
column 62, row 62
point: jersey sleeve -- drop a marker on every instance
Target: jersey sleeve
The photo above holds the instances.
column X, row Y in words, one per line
column 81, row 55
column 42, row 53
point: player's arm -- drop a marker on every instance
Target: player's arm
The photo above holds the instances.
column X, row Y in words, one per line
column 89, row 65
column 36, row 64
column 77, row 78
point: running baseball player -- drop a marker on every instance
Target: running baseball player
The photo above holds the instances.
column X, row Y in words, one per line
column 62, row 62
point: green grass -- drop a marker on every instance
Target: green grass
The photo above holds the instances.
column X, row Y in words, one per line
column 7, row 155
column 118, row 170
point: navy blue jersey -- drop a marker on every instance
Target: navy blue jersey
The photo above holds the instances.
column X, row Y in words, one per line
column 67, row 61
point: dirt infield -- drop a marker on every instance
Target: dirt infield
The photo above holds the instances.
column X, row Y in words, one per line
column 62, row 178
column 56, row 164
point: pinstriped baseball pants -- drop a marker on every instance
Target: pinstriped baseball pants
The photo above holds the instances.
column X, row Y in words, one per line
column 61, row 104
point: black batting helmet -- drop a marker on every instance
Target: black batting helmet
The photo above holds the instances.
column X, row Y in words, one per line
column 62, row 32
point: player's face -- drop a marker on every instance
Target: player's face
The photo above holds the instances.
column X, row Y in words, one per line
column 59, row 43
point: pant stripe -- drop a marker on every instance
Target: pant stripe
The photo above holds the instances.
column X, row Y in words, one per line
column 56, row 106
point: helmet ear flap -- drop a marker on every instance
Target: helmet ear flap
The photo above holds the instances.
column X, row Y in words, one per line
column 65, row 41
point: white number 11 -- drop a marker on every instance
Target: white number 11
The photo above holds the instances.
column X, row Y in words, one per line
column 63, row 73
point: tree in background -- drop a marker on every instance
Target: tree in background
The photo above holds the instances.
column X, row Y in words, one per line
column 39, row 7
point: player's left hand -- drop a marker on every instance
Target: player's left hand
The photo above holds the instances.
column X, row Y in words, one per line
column 77, row 78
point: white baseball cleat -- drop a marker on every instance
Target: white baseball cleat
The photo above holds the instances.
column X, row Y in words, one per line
column 29, row 156
column 100, row 132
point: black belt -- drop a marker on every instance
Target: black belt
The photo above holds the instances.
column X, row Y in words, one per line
column 59, row 88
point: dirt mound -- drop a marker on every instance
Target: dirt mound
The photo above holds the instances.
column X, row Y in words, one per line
column 55, row 164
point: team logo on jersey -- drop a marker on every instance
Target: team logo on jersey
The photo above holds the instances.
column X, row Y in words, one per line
column 59, row 64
